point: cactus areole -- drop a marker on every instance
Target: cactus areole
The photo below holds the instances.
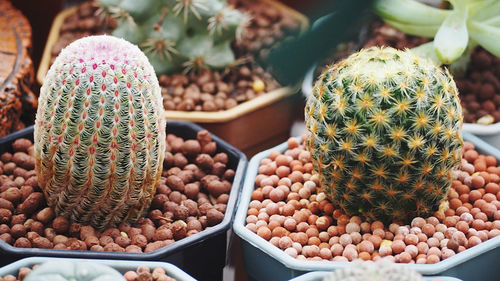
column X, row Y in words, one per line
column 100, row 132
column 385, row 134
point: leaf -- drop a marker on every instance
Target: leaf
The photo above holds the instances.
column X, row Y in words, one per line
column 486, row 35
column 494, row 21
column 459, row 67
column 412, row 29
column 452, row 37
column 410, row 12
column 485, row 10
column 427, row 50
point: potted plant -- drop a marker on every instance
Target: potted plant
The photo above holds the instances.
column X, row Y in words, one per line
column 114, row 269
column 457, row 32
column 236, row 95
column 469, row 51
column 104, row 180
column 304, row 207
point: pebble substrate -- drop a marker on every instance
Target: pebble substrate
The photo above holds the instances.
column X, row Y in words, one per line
column 143, row 273
column 192, row 196
column 289, row 210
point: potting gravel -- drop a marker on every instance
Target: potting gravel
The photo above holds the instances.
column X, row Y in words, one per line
column 289, row 210
column 192, row 196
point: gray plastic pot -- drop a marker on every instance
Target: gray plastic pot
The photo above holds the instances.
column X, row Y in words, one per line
column 265, row 262
column 120, row 265
column 319, row 275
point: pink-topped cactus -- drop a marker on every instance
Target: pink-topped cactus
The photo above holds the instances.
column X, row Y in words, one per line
column 100, row 132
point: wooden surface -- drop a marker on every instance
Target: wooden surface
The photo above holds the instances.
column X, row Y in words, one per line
column 40, row 14
column 16, row 68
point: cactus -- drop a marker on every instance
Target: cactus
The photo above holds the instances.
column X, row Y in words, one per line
column 381, row 270
column 179, row 34
column 385, row 134
column 100, row 132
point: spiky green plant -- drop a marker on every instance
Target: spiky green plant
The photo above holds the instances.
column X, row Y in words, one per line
column 100, row 132
column 179, row 34
column 374, row 271
column 385, row 134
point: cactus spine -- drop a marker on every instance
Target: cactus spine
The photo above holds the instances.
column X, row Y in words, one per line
column 385, row 134
column 100, row 132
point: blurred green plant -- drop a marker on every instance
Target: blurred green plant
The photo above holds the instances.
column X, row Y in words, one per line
column 456, row 31
column 179, row 34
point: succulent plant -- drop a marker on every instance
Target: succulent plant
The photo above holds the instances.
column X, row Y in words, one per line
column 456, row 31
column 385, row 134
column 100, row 132
column 179, row 34
column 66, row 270
column 374, row 271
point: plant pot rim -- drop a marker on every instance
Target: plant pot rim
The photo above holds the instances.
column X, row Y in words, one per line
column 170, row 269
column 295, row 264
column 193, row 116
column 165, row 251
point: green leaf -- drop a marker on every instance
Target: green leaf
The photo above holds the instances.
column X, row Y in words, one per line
column 459, row 67
column 452, row 37
column 486, row 35
column 412, row 29
column 494, row 21
column 410, row 11
column 485, row 10
column 427, row 51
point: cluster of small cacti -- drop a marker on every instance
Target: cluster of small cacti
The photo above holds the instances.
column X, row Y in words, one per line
column 179, row 34
column 385, row 134
column 374, row 271
column 100, row 132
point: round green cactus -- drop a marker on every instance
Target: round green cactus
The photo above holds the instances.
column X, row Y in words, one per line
column 179, row 34
column 385, row 134
column 100, row 132
column 65, row 270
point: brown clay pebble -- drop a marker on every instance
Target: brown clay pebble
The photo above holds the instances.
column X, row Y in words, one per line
column 26, row 221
